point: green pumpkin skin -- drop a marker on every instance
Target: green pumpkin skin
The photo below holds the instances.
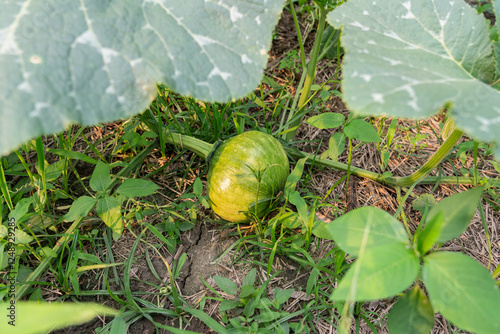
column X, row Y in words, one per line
column 232, row 181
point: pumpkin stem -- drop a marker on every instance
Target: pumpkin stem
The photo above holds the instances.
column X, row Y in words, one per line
column 198, row 146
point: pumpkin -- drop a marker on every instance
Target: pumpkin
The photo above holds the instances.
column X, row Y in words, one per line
column 245, row 173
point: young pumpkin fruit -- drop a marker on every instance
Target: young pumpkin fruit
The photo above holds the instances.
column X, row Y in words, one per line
column 245, row 173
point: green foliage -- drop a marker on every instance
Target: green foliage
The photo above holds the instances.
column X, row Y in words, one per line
column 362, row 131
column 463, row 291
column 394, row 66
column 412, row 313
column 330, row 43
column 35, row 317
column 399, row 66
column 291, row 62
column 336, row 145
column 457, row 212
column 460, row 288
column 379, row 272
column 210, row 46
column 107, row 205
column 423, row 202
column 251, row 308
column 328, row 120
column 366, row 228
column 496, row 40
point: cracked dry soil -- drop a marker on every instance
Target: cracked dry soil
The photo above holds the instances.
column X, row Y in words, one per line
column 202, row 244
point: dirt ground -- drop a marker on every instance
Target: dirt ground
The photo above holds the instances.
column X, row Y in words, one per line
column 207, row 241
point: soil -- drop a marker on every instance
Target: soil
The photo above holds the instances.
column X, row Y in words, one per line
column 205, row 243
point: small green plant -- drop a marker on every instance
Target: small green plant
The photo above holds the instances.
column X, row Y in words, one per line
column 353, row 128
column 108, row 205
column 251, row 310
column 291, row 62
column 388, row 262
column 384, row 150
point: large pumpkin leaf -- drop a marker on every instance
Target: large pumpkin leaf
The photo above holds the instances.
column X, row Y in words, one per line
column 365, row 228
column 496, row 43
column 379, row 273
column 457, row 210
column 463, row 291
column 35, row 317
column 96, row 61
column 409, row 58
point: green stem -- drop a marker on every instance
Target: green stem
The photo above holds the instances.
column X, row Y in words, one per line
column 311, row 68
column 311, row 73
column 434, row 160
column 390, row 181
column 198, row 146
column 203, row 149
column 299, row 34
column 349, row 161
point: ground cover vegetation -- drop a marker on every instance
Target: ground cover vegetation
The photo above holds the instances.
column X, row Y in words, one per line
column 372, row 205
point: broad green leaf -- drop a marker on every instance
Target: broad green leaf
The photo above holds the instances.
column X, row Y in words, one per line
column 100, row 61
column 379, row 273
column 301, row 206
column 290, row 220
column 327, row 120
column 423, row 201
column 137, row 188
column 267, row 317
column 48, row 252
column 336, row 145
column 412, row 314
column 53, row 171
column 247, row 290
column 101, row 177
column 22, row 237
column 89, row 257
column 80, row 208
column 3, row 233
column 20, row 210
column 321, row 230
column 109, row 209
column 35, row 317
column 463, row 291
column 458, row 210
column 197, row 187
column 294, row 177
column 228, row 305
column 430, row 233
column 362, row 131
column 119, row 325
column 281, row 296
column 226, row 285
column 249, row 279
column 312, row 281
column 412, row 58
column 364, row 228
